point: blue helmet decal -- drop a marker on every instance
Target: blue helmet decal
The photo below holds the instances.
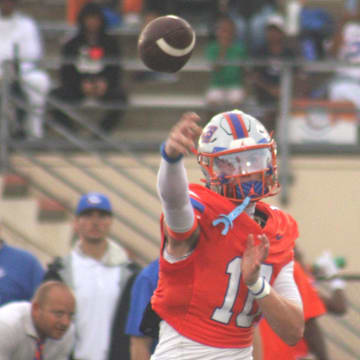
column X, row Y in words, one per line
column 218, row 149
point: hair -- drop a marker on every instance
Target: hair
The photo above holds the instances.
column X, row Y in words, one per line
column 45, row 288
column 91, row 9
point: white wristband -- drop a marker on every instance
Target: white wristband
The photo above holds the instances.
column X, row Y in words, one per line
column 260, row 288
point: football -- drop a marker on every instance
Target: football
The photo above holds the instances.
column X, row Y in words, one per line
column 166, row 43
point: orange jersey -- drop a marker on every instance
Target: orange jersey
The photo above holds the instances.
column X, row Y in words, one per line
column 203, row 297
column 313, row 307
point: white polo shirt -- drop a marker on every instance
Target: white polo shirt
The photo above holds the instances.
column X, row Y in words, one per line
column 18, row 336
column 97, row 289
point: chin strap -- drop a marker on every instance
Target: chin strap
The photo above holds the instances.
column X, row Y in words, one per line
column 228, row 220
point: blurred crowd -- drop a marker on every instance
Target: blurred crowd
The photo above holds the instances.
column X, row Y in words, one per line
column 247, row 43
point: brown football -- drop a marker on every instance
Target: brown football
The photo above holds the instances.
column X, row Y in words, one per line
column 166, row 43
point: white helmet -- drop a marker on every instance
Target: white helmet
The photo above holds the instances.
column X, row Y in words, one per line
column 238, row 157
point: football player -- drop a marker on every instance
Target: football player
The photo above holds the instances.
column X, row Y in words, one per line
column 226, row 257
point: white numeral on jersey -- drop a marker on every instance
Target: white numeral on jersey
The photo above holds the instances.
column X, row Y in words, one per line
column 224, row 313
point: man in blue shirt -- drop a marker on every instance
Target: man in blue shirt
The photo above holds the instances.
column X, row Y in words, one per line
column 141, row 346
column 20, row 274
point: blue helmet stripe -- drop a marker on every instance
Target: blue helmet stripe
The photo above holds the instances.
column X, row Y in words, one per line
column 237, row 125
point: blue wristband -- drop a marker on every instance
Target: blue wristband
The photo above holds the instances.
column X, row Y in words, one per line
column 166, row 157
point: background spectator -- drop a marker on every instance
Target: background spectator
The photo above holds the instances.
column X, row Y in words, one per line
column 316, row 28
column 141, row 346
column 20, row 42
column 266, row 79
column 40, row 329
column 112, row 10
column 345, row 85
column 226, row 86
column 250, row 18
column 20, row 274
column 101, row 275
column 87, row 74
column 326, row 269
column 198, row 13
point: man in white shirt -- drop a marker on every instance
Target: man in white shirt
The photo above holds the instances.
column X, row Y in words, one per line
column 20, row 39
column 345, row 85
column 101, row 275
column 41, row 329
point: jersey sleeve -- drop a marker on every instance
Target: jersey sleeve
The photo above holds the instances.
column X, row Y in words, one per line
column 282, row 232
column 198, row 207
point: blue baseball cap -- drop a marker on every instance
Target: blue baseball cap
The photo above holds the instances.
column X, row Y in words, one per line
column 93, row 201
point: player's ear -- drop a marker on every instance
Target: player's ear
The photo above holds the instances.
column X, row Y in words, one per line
column 35, row 309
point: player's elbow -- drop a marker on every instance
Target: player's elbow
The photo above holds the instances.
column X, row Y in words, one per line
column 294, row 339
column 295, row 333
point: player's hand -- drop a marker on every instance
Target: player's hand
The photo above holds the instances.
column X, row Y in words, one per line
column 183, row 136
column 253, row 256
